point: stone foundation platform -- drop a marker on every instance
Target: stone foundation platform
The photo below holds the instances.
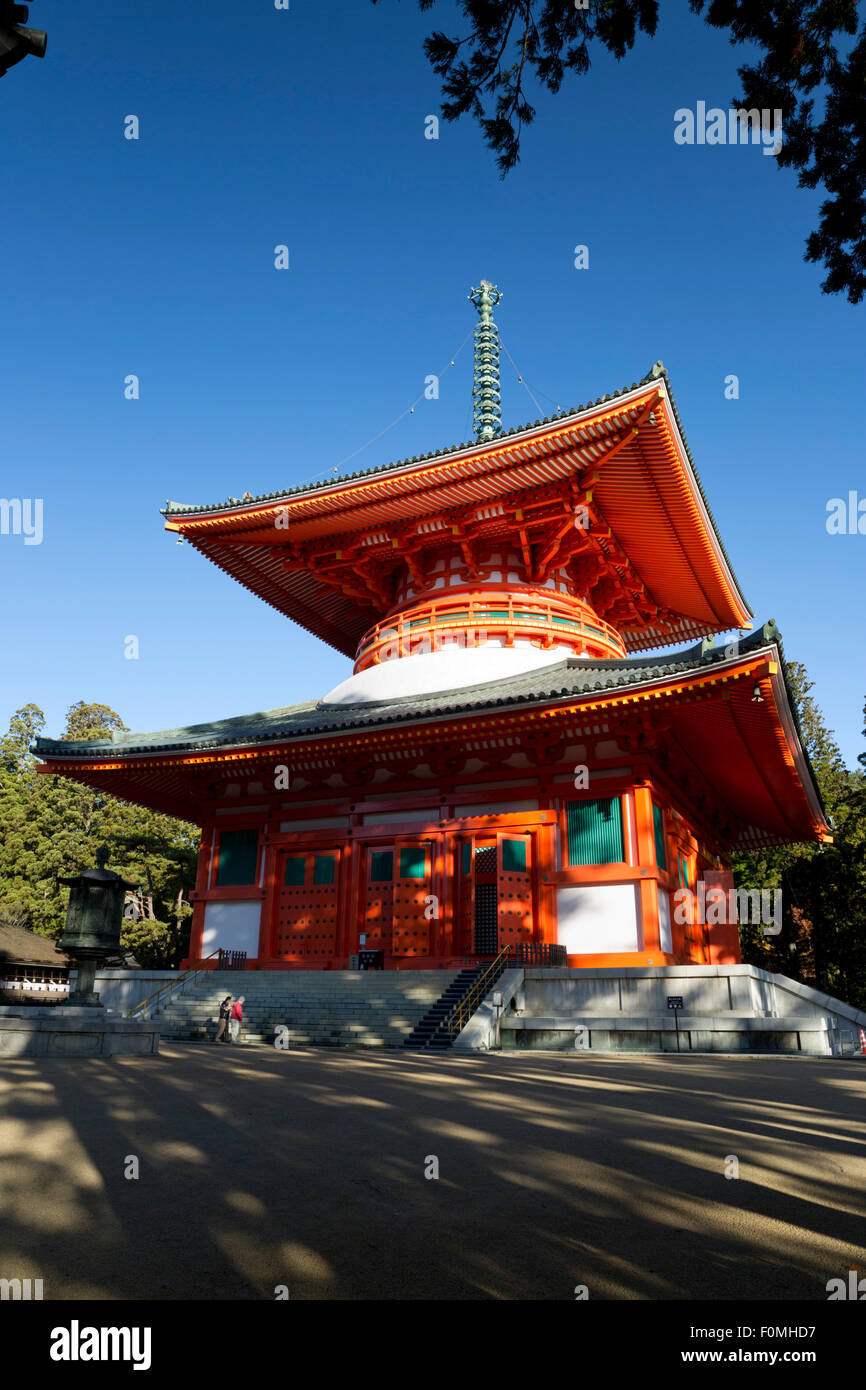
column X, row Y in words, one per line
column 725, row 1008
column 67, row 1031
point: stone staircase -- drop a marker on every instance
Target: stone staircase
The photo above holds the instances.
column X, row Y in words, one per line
column 320, row 1008
column 428, row 1032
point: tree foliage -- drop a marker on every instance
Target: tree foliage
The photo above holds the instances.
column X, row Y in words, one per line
column 811, row 65
column 50, row 828
column 823, row 936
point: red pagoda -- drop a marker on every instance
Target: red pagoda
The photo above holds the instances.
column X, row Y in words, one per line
column 501, row 768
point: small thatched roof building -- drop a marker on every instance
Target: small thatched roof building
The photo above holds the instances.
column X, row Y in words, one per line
column 19, row 947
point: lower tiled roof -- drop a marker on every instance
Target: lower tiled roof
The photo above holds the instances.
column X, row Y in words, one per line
column 571, row 677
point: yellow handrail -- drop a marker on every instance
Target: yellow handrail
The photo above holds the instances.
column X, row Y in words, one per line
column 462, row 1012
column 187, row 976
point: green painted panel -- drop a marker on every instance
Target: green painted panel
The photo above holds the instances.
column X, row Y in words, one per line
column 659, row 831
column 382, row 866
column 323, row 868
column 295, row 872
column 238, row 854
column 467, row 856
column 514, row 856
column 595, row 831
column 413, row 862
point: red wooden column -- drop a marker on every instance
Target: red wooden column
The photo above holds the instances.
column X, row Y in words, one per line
column 345, row 945
column 724, row 941
column 270, row 902
column 545, row 868
column 202, row 881
column 648, row 883
column 438, row 887
column 449, row 907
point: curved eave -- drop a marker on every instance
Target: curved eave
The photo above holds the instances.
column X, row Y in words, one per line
column 649, row 495
column 749, row 752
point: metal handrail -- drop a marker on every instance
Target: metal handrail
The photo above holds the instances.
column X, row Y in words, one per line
column 462, row 1012
column 188, row 977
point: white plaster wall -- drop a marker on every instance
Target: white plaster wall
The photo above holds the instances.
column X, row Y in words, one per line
column 317, row 823
column 495, row 808
column 665, row 937
column 595, row 918
column 232, row 926
column 443, row 670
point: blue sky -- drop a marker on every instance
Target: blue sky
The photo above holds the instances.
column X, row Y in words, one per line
column 306, row 127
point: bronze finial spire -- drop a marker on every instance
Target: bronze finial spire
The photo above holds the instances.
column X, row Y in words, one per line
column 486, row 414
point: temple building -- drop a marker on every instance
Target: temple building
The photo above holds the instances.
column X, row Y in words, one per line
column 516, row 759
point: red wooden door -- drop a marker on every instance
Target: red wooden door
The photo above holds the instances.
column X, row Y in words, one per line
column 307, row 888
column 514, row 884
column 485, row 862
column 397, row 898
column 378, row 897
column 465, row 924
column 413, row 905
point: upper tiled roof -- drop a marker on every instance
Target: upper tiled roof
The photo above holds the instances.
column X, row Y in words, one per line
column 657, row 370
column 175, row 509
column 657, row 537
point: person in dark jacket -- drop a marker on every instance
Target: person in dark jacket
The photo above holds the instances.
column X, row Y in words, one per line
column 225, row 1015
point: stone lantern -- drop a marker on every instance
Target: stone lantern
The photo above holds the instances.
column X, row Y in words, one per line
column 93, row 922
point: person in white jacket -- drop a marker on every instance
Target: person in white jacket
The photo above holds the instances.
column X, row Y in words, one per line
column 237, row 1017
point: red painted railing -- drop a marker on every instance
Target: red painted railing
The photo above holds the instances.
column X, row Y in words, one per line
column 472, row 620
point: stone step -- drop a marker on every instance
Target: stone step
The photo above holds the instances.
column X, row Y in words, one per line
column 329, row 1009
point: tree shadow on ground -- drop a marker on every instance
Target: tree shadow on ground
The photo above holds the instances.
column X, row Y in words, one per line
column 307, row 1169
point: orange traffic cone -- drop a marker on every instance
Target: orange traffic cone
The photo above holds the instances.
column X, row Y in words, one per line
column 863, row 1042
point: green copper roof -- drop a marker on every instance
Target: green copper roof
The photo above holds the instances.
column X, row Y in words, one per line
column 184, row 509
column 658, row 370
column 573, row 676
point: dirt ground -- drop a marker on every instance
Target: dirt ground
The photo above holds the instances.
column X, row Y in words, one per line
column 314, row 1171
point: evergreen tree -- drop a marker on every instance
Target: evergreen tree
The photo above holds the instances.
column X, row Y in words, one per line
column 823, row 936
column 806, row 49
column 51, row 827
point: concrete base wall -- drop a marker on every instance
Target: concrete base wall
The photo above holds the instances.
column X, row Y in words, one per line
column 658, row 1034
column 73, row 1032
column 120, row 988
column 726, row 1008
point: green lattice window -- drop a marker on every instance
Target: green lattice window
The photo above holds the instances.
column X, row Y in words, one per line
column 684, row 871
column 514, row 856
column 659, row 833
column 382, row 866
column 323, row 868
column 413, row 862
column 238, row 856
column 594, row 830
column 294, row 877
